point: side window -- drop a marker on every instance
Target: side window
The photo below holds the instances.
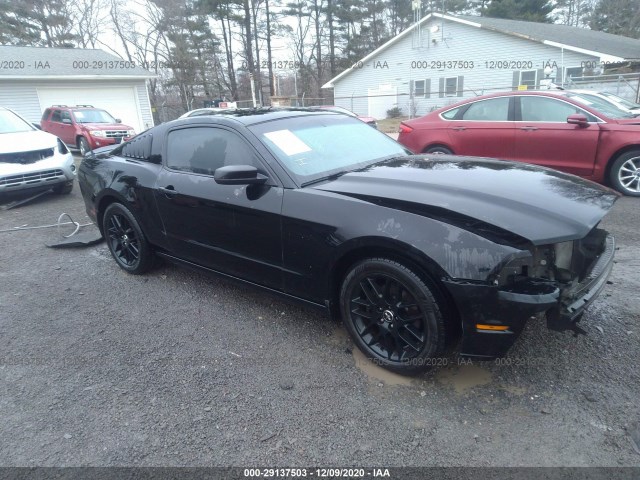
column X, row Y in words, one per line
column 56, row 116
column 205, row 149
column 542, row 109
column 493, row 110
column 65, row 116
column 45, row 115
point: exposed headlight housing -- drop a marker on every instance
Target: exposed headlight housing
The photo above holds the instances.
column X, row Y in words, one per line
column 62, row 148
column 98, row 133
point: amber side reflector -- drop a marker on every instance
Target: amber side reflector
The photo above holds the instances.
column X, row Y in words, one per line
column 495, row 328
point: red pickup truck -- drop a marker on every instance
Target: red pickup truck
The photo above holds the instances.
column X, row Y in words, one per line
column 84, row 127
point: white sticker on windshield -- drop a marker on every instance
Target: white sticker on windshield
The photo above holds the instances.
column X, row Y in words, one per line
column 78, row 114
column 287, row 141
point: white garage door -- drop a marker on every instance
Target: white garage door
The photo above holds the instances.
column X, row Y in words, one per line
column 120, row 102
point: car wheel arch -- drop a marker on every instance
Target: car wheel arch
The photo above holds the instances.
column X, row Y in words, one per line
column 615, row 156
column 437, row 145
column 106, row 199
column 427, row 269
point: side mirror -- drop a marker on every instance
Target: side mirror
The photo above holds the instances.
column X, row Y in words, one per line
column 238, row 175
column 578, row 119
column 66, row 120
column 118, row 120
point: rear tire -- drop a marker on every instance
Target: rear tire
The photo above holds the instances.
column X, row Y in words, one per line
column 438, row 150
column 126, row 241
column 393, row 316
column 625, row 173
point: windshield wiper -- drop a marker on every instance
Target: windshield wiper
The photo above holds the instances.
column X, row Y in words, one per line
column 322, row 179
column 339, row 174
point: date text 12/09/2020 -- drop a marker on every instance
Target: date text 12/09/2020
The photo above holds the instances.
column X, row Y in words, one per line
column 317, row 472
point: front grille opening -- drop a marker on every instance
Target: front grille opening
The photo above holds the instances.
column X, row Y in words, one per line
column 116, row 133
column 44, row 176
column 25, row 158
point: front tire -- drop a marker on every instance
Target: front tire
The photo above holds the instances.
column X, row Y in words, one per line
column 83, row 145
column 393, row 316
column 625, row 173
column 125, row 239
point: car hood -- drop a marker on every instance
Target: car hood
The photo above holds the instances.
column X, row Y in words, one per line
column 26, row 141
column 537, row 204
column 106, row 126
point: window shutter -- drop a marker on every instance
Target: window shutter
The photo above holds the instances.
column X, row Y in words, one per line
column 460, row 85
column 559, row 75
column 441, row 92
column 427, row 88
column 516, row 80
column 412, row 88
column 539, row 77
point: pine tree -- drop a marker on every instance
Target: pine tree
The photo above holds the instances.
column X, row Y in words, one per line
column 620, row 17
column 528, row 10
column 42, row 23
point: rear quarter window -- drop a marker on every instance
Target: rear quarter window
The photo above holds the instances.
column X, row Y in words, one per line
column 139, row 148
column 45, row 115
column 451, row 114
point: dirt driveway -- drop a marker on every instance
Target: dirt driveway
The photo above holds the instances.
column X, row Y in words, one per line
column 98, row 367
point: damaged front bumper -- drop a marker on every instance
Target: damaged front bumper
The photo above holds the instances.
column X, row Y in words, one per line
column 486, row 309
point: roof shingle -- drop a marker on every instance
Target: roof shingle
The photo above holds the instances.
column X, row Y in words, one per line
column 19, row 62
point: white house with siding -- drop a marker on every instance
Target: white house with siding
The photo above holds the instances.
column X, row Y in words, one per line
column 443, row 59
column 34, row 78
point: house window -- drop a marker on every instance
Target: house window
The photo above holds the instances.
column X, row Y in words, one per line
column 528, row 78
column 573, row 72
column 451, row 86
column 422, row 88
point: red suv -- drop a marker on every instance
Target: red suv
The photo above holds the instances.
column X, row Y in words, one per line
column 561, row 130
column 84, row 127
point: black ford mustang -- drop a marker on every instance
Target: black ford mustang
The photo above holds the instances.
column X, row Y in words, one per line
column 414, row 252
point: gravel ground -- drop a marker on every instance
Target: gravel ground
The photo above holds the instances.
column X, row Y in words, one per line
column 100, row 368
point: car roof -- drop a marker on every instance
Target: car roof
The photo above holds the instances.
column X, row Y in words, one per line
column 251, row 116
column 75, row 107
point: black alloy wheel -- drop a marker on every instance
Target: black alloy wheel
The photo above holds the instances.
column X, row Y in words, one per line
column 393, row 316
column 125, row 239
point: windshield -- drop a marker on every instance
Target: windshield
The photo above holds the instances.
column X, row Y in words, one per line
column 93, row 116
column 315, row 147
column 622, row 101
column 11, row 123
column 601, row 105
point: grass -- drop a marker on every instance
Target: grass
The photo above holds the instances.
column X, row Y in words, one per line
column 390, row 125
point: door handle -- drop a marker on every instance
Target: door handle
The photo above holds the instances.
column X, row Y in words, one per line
column 169, row 191
column 460, row 129
column 528, row 129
